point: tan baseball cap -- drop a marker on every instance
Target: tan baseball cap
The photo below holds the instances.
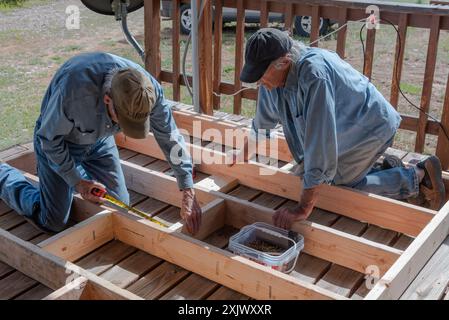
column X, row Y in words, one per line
column 133, row 96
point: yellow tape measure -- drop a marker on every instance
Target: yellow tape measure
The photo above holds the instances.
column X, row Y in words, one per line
column 102, row 194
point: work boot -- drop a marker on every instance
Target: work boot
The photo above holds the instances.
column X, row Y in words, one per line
column 432, row 186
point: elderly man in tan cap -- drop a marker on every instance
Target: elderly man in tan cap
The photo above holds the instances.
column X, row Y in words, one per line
column 92, row 97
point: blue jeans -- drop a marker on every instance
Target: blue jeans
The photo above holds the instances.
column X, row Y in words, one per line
column 51, row 201
column 395, row 183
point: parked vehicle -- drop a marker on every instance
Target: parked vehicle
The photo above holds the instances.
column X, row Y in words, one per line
column 302, row 24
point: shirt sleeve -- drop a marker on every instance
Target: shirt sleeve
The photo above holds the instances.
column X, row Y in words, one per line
column 320, row 138
column 267, row 115
column 172, row 143
column 54, row 127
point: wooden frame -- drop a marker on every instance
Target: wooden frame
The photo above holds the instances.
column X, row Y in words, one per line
column 397, row 268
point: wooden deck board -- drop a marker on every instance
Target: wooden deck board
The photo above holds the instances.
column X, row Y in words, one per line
column 432, row 281
column 36, row 293
column 15, row 284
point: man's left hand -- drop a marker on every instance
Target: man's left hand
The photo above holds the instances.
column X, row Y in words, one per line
column 285, row 217
column 191, row 211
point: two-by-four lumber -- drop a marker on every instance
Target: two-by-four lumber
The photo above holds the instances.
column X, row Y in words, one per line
column 48, row 269
column 374, row 209
column 332, row 245
column 405, row 269
column 235, row 272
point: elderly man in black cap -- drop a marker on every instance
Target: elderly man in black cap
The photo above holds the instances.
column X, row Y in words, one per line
column 92, row 97
column 335, row 121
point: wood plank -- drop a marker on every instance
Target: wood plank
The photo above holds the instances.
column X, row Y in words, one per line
column 15, row 284
column 432, row 51
column 141, row 160
column 218, row 38
column 340, row 280
column 125, row 154
column 403, row 242
column 406, row 268
column 152, row 22
column 269, row 200
column 10, row 220
column 48, row 269
column 399, row 59
column 309, row 268
column 224, row 293
column 288, row 18
column 245, row 193
column 36, row 293
column 239, row 43
column 432, row 281
column 443, row 142
column 157, row 282
column 131, row 269
column 315, row 29
column 106, row 257
column 205, row 58
column 81, row 239
column 341, row 35
column 369, row 52
column 74, row 290
column 377, row 210
column 176, row 49
column 195, row 287
column 26, row 231
column 213, row 263
column 152, row 206
column 264, row 13
column 4, row 208
column 169, row 216
column 5, row 269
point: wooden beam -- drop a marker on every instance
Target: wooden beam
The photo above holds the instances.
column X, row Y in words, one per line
column 432, row 51
column 152, row 21
column 205, row 58
column 399, row 59
column 49, row 269
column 218, row 39
column 239, row 42
column 82, row 238
column 74, row 290
column 213, row 263
column 315, row 31
column 374, row 209
column 350, row 251
column 196, row 124
column 176, row 49
column 341, row 35
column 406, row 268
column 443, row 142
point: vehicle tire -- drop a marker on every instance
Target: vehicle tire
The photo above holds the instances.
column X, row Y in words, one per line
column 303, row 26
column 185, row 19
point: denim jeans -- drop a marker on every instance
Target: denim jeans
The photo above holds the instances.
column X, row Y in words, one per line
column 395, row 183
column 51, row 201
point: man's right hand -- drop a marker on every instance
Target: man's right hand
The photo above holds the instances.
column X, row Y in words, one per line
column 84, row 187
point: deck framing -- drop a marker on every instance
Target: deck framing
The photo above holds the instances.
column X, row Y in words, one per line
column 52, row 259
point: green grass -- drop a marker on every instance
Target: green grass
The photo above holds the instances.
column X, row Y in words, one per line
column 411, row 89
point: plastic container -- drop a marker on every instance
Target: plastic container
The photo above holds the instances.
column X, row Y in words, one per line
column 288, row 245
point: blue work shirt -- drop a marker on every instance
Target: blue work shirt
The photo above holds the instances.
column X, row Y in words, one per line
column 73, row 112
column 333, row 118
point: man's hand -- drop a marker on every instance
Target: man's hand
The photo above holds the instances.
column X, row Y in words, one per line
column 285, row 217
column 191, row 211
column 84, row 187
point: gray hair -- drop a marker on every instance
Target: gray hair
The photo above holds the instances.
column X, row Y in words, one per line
column 294, row 54
column 107, row 84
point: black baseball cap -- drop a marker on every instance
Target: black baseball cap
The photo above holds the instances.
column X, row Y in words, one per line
column 263, row 47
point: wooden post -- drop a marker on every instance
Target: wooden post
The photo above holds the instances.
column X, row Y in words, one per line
column 152, row 20
column 432, row 51
column 218, row 38
column 341, row 36
column 205, row 58
column 369, row 52
column 176, row 50
column 399, row 60
column 289, row 18
column 443, row 142
column 239, row 39
column 264, row 13
column 315, row 32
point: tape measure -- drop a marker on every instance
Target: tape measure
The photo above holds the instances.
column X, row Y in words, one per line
column 104, row 195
